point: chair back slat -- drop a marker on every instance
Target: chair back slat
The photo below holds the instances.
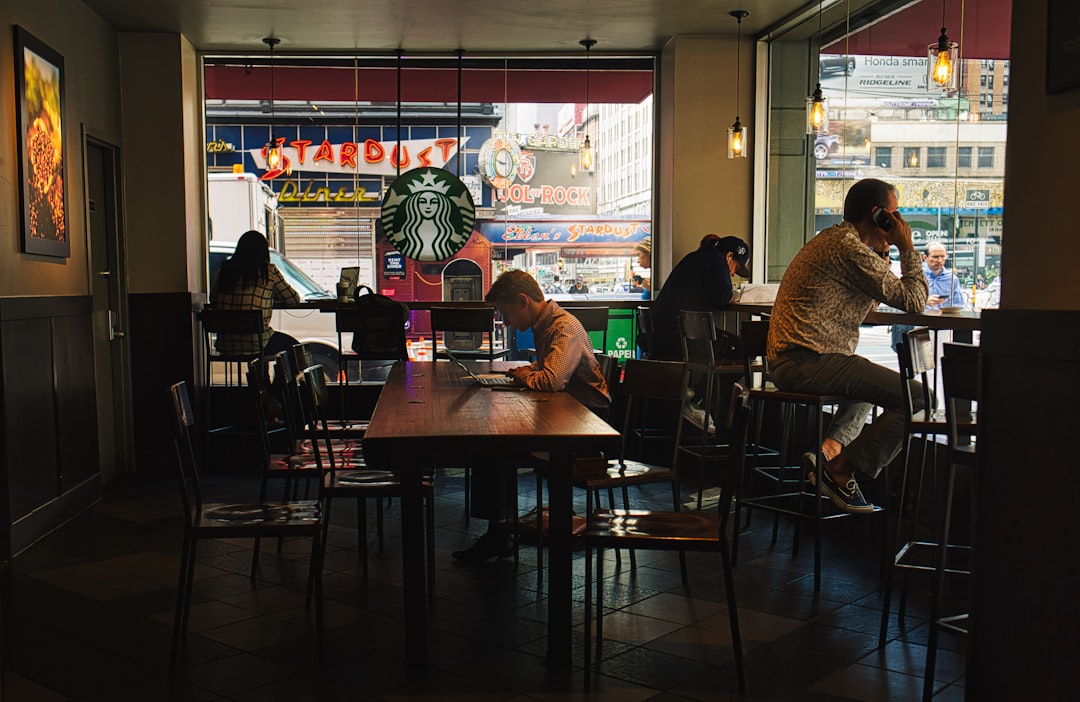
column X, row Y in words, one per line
column 659, row 380
column 960, row 379
column 737, row 423
column 187, row 464
column 217, row 321
column 653, row 380
column 917, row 361
column 316, row 398
column 463, row 327
column 378, row 333
column 286, row 379
column 644, row 320
column 698, row 332
column 594, row 319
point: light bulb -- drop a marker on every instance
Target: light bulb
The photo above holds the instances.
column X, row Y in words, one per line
column 942, row 56
column 736, row 140
column 817, row 114
column 943, row 67
column 586, row 155
column 273, row 155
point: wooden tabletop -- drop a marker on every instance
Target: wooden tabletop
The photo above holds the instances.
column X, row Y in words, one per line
column 434, row 409
column 437, row 408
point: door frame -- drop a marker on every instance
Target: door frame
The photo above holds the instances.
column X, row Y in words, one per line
column 107, row 280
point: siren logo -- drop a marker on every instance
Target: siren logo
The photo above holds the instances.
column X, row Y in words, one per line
column 428, row 214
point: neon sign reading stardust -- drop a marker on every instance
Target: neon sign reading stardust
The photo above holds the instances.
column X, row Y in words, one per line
column 371, row 157
column 567, row 232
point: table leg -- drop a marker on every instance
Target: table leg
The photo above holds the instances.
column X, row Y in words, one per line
column 414, row 567
column 560, row 558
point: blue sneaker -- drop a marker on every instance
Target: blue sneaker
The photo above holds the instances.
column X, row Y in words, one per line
column 847, row 497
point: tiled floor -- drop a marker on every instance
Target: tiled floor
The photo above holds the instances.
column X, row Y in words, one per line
column 88, row 615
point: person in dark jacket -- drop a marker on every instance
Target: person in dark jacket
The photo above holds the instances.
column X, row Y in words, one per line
column 700, row 281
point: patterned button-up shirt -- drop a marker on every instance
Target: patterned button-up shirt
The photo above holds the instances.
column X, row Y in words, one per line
column 831, row 285
column 564, row 359
column 260, row 296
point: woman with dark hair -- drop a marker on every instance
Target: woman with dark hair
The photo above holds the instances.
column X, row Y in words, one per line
column 248, row 281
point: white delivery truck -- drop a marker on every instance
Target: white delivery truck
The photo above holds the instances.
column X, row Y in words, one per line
column 238, row 202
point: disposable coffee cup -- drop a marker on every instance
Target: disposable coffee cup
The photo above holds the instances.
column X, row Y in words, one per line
column 342, row 291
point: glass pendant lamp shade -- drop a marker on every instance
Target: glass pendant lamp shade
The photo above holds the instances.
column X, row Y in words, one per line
column 943, row 60
column 274, row 156
column 586, row 155
column 736, row 140
column 817, row 112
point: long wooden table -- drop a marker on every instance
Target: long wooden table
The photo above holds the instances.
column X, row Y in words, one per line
column 434, row 409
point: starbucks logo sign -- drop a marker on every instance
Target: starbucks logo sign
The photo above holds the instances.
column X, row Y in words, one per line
column 428, row 214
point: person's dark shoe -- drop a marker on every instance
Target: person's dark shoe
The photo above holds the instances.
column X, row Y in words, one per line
column 847, row 497
column 492, row 544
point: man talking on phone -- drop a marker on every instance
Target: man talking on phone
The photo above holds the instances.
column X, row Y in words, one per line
column 838, row 277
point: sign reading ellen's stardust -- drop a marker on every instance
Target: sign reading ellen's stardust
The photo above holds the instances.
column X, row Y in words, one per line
column 428, row 214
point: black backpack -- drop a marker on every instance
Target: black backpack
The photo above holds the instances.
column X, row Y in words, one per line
column 378, row 325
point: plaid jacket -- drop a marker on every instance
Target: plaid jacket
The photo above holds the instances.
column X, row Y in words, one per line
column 260, row 296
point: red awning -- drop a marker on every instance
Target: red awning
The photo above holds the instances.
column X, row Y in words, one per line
column 342, row 84
column 983, row 34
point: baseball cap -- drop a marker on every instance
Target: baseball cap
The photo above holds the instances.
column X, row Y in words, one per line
column 738, row 248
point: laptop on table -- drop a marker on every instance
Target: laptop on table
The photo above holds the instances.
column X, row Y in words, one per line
column 488, row 380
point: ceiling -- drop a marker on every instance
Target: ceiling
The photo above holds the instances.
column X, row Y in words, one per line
column 475, row 26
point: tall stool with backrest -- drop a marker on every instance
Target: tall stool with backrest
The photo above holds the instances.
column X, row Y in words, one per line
column 791, row 494
column 462, row 330
column 214, row 323
column 676, row 530
column 960, row 377
column 700, row 345
column 595, row 321
column 917, row 363
column 233, row 521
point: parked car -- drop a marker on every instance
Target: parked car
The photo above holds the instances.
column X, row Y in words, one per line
column 837, row 63
column 824, row 144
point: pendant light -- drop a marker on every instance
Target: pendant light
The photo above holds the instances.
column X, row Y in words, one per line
column 274, row 156
column 586, row 147
column 736, row 133
column 943, row 59
column 817, row 109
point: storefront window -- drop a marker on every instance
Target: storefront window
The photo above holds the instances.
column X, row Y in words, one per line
column 512, row 131
column 951, row 175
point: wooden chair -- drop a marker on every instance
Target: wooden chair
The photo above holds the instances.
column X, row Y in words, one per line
column 642, row 381
column 684, row 531
column 595, row 321
column 462, row 330
column 304, row 519
column 358, row 483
